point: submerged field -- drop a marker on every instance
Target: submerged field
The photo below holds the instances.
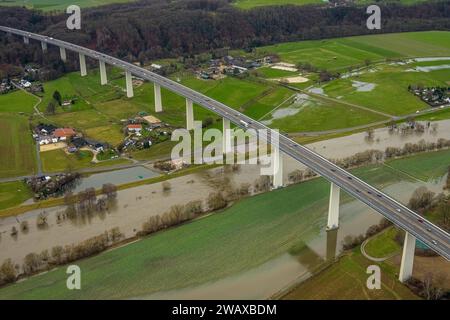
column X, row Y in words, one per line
column 252, row 231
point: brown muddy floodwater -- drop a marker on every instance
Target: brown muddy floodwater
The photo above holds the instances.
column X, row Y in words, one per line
column 286, row 270
column 135, row 205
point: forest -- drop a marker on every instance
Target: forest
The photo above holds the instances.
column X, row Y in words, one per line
column 154, row 29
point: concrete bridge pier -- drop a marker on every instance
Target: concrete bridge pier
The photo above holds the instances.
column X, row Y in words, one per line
column 158, row 101
column 83, row 69
column 129, row 81
column 333, row 210
column 62, row 53
column 227, row 145
column 44, row 46
column 103, row 77
column 406, row 266
column 26, row 40
column 277, row 159
column 189, row 114
column 332, row 236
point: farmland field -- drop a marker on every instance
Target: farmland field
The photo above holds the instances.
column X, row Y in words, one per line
column 318, row 115
column 383, row 244
column 191, row 260
column 17, row 101
column 60, row 5
column 13, row 193
column 390, row 92
column 341, row 53
column 428, row 165
column 346, row 280
column 59, row 161
column 248, row 4
column 17, row 151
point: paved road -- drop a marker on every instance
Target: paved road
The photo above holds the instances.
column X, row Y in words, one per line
column 430, row 234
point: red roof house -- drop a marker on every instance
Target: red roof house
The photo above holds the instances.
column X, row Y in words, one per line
column 64, row 133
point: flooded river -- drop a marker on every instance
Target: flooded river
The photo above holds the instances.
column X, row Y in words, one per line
column 135, row 205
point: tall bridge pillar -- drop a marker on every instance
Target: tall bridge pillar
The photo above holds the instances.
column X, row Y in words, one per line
column 103, row 77
column 227, row 147
column 26, row 40
column 158, row 101
column 189, row 115
column 333, row 210
column 277, row 159
column 406, row 266
column 83, row 69
column 62, row 53
column 44, row 46
column 129, row 81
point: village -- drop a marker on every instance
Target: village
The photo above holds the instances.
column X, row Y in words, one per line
column 433, row 96
column 140, row 132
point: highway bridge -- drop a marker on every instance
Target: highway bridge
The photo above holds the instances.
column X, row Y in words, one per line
column 415, row 225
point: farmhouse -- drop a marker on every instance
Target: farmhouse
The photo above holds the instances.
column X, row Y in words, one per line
column 136, row 128
column 43, row 128
column 64, row 133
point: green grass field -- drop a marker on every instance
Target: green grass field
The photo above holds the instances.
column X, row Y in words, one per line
column 427, row 167
column 252, row 231
column 318, row 115
column 271, row 73
column 383, row 244
column 249, row 4
column 17, row 101
column 17, row 150
column 346, row 280
column 58, row 161
column 390, row 94
column 342, row 53
column 13, row 194
column 59, row 5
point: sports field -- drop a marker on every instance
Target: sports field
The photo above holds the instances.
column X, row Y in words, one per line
column 17, row 150
column 252, row 231
column 59, row 5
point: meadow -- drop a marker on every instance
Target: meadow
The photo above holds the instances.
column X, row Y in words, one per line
column 17, row 101
column 13, row 194
column 322, row 115
column 249, row 4
column 383, row 244
column 341, row 53
column 346, row 280
column 390, row 94
column 57, row 5
column 252, row 231
column 59, row 161
column 17, row 150
column 428, row 166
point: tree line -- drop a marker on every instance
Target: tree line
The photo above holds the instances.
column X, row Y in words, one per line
column 146, row 30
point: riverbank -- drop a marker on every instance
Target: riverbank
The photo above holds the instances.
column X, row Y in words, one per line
column 267, row 236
